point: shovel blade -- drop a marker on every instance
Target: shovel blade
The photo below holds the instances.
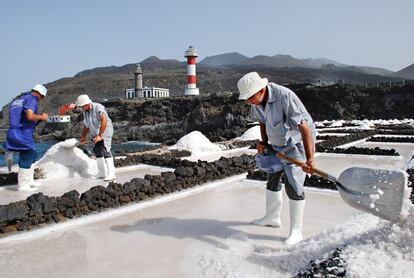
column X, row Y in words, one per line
column 383, row 193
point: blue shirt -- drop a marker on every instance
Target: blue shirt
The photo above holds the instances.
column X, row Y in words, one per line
column 20, row 133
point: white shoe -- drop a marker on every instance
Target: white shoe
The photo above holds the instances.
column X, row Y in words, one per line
column 24, row 178
column 296, row 209
column 111, row 169
column 101, row 168
column 273, row 209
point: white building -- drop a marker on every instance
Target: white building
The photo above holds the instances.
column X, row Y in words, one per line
column 59, row 119
column 148, row 92
column 129, row 93
column 155, row 92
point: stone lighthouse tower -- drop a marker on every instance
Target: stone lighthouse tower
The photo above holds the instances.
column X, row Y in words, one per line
column 138, row 81
column 191, row 88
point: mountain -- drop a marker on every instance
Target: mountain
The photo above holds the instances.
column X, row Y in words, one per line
column 276, row 61
column 232, row 58
column 285, row 61
column 319, row 62
column 156, row 60
column 407, row 72
column 375, row 70
column 369, row 70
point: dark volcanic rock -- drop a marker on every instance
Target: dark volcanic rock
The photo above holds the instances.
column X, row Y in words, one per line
column 334, row 141
column 13, row 212
column 366, row 151
column 168, row 176
column 331, row 266
column 391, row 139
column 41, row 204
column 7, row 179
column 184, row 171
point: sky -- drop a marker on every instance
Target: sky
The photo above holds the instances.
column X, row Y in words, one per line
column 44, row 40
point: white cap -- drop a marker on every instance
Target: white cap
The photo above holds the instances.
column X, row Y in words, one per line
column 40, row 89
column 83, row 100
column 250, row 84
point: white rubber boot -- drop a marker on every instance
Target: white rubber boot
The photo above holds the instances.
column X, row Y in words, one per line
column 111, row 169
column 34, row 183
column 100, row 161
column 296, row 209
column 273, row 209
column 24, row 178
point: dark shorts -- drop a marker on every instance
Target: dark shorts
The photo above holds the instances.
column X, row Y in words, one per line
column 100, row 151
column 274, row 184
column 27, row 158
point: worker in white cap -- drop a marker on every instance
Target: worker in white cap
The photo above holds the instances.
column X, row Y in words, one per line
column 96, row 120
column 23, row 118
column 285, row 126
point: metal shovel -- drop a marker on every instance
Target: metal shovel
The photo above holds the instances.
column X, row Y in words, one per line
column 383, row 193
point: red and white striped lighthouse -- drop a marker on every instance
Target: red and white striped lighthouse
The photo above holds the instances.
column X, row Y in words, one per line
column 191, row 88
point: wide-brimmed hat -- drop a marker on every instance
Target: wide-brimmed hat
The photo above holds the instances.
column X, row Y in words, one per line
column 250, row 84
column 83, row 100
column 40, row 89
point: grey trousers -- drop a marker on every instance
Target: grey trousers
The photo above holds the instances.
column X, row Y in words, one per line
column 274, row 184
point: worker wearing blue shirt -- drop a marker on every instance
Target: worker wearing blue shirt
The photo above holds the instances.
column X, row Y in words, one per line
column 285, row 126
column 23, row 117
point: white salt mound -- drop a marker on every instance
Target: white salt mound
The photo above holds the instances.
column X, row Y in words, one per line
column 64, row 159
column 196, row 143
column 337, row 123
column 319, row 124
column 252, row 133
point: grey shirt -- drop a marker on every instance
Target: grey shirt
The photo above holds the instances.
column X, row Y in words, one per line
column 92, row 121
column 282, row 114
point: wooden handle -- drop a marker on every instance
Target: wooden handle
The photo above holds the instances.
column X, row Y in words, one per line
column 301, row 163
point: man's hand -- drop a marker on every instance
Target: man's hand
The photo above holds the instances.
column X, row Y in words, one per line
column 97, row 138
column 261, row 147
column 43, row 116
column 308, row 166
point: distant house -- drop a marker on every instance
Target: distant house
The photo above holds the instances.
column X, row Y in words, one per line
column 130, row 93
column 59, row 119
column 148, row 92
